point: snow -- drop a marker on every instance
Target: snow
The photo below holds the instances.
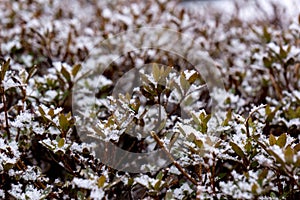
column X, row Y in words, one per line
column 84, row 183
column 97, row 194
column 179, row 192
column 22, row 119
column 2, row 194
column 106, row 13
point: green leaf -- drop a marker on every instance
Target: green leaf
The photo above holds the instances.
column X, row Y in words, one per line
column 157, row 185
column 267, row 36
column 281, row 141
column 145, row 78
column 101, row 181
column 31, row 72
column 42, row 111
column 297, row 148
column 262, row 176
column 167, row 71
column 272, row 140
column 268, row 110
column 282, row 53
column 155, row 72
column 199, row 143
column 66, row 74
column 267, row 62
column 193, row 78
column 61, row 142
column 254, row 188
column 288, row 155
column 76, row 69
column 184, row 83
column 271, row 115
column 4, row 69
column 196, row 119
column 63, row 122
column 51, row 112
column 228, row 118
column 237, row 150
column 160, row 175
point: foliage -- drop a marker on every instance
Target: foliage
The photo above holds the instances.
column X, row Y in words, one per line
column 247, row 149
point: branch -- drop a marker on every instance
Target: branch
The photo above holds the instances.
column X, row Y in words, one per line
column 162, row 145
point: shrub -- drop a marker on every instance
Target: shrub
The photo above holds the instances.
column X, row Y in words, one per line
column 63, row 107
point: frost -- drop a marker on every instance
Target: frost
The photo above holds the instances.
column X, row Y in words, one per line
column 84, row 183
column 179, row 193
column 97, row 194
column 22, row 119
column 106, row 13
column 2, row 194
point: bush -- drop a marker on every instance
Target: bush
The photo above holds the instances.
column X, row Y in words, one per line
column 80, row 79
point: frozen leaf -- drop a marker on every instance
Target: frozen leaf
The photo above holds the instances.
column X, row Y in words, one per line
column 288, row 155
column 155, row 72
column 184, row 83
column 101, row 181
column 63, row 122
column 237, row 150
column 76, row 69
column 66, row 74
column 61, row 142
column 272, row 140
column 4, row 69
column 281, row 141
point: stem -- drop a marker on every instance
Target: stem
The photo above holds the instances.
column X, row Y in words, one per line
column 5, row 113
column 161, row 144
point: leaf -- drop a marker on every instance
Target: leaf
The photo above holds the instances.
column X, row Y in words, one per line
column 237, row 150
column 157, row 185
column 228, row 118
column 282, row 53
column 193, row 78
column 271, row 115
column 297, row 148
column 267, row 62
column 268, row 110
column 281, row 141
column 76, row 69
column 160, row 175
column 101, row 181
column 272, row 140
column 288, row 155
column 254, row 188
column 63, row 122
column 31, row 72
column 4, row 69
column 262, row 176
column 167, row 71
column 267, row 36
column 184, row 83
column 61, row 142
column 51, row 112
column 155, row 72
column 145, row 78
column 66, row 74
column 199, row 143
column 42, row 111
column 196, row 119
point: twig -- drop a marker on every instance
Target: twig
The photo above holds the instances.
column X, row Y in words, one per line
column 5, row 113
column 248, row 118
column 161, row 144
